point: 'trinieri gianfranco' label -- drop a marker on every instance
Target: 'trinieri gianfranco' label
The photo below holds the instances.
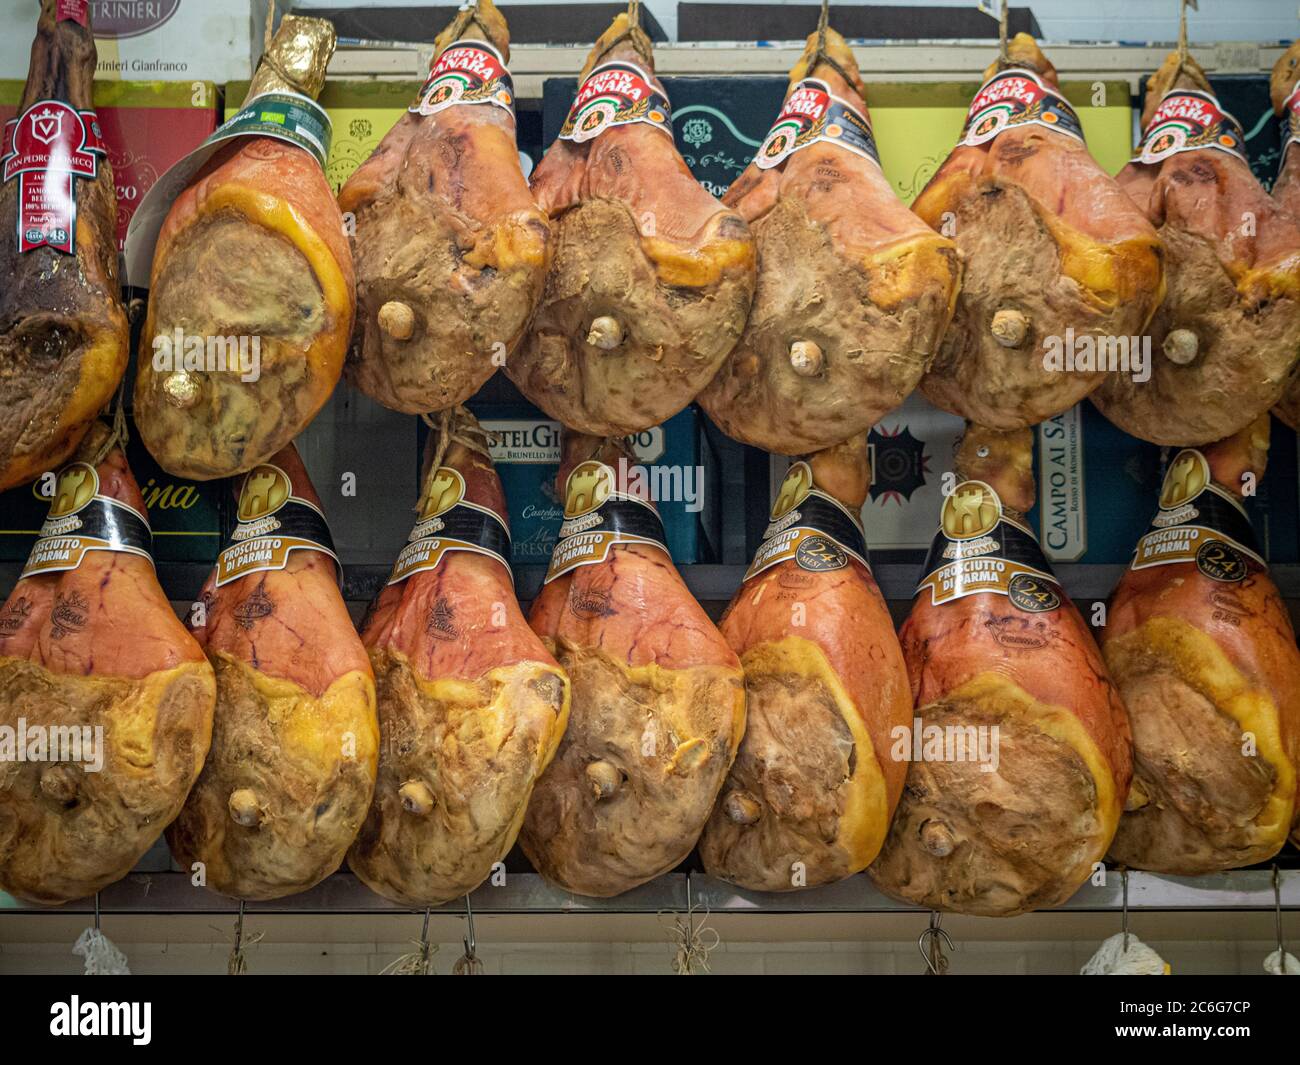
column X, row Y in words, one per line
column 811, row 115
column 1015, row 98
column 1198, row 522
column 449, row 522
column 1188, row 120
column 810, row 528
column 467, row 72
column 1290, row 122
column 979, row 548
column 598, row 517
column 616, row 94
column 81, row 521
column 273, row 523
column 48, row 148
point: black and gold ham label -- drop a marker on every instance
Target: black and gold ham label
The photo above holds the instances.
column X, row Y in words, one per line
column 599, row 517
column 812, row 114
column 448, row 522
column 1014, row 98
column 1198, row 522
column 979, row 548
column 80, row 521
column 616, row 94
column 812, row 529
column 1187, row 120
column 273, row 523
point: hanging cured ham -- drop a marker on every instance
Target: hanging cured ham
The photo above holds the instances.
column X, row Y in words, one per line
column 653, row 277
column 294, row 741
column 471, row 705
column 251, row 291
column 1053, row 251
column 64, row 337
column 1020, row 754
column 814, row 784
column 1201, row 645
column 1284, row 87
column 854, row 291
column 105, row 700
column 1225, row 337
column 451, row 249
column 658, row 700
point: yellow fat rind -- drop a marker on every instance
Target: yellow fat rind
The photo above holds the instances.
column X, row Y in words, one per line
column 511, row 244
column 999, row 696
column 1202, row 665
column 680, row 683
column 279, row 216
column 130, row 725
column 494, row 721
column 865, row 822
column 702, row 266
column 340, row 724
column 919, row 264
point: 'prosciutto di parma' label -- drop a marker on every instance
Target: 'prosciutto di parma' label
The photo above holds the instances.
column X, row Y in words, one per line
column 810, row 528
column 1290, row 122
column 467, row 72
column 616, row 94
column 1188, row 120
column 81, row 520
column 599, row 517
column 449, row 522
column 980, row 548
column 47, row 149
column 810, row 115
column 273, row 523
column 1199, row 522
column 1014, row 98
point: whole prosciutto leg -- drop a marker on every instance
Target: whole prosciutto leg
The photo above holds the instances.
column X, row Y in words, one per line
column 451, row 249
column 658, row 703
column 1284, row 87
column 1201, row 646
column 95, row 648
column 810, row 796
column 64, row 339
column 471, row 705
column 295, row 738
column 1020, row 752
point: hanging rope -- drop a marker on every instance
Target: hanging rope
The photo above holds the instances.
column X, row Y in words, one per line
column 634, row 33
column 692, row 942
column 237, row 963
column 820, row 55
column 118, row 434
column 456, row 426
column 1004, row 54
column 932, row 943
column 418, row 962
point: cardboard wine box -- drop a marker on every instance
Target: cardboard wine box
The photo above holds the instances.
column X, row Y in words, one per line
column 677, row 456
column 147, row 125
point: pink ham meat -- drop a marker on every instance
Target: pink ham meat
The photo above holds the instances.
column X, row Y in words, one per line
column 471, row 705
column 295, row 739
column 96, row 647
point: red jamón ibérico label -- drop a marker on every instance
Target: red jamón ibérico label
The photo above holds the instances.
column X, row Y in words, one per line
column 1014, row 98
column 1188, row 120
column 47, row 148
column 1290, row 121
column 467, row 72
column 73, row 11
column 616, row 94
column 812, row 114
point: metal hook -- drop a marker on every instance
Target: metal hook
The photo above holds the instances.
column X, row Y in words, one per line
column 1123, row 873
column 1277, row 913
column 239, row 928
column 470, row 942
column 928, row 943
column 97, row 911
